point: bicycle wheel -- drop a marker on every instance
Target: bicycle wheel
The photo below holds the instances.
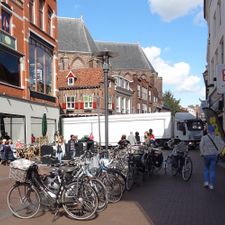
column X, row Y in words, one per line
column 170, row 166
column 130, row 178
column 187, row 169
column 100, row 189
column 120, row 177
column 79, row 200
column 23, row 200
column 113, row 187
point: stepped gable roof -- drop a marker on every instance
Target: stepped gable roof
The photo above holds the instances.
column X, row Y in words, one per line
column 85, row 77
column 74, row 36
column 131, row 56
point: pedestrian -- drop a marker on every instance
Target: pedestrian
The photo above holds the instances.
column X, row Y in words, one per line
column 146, row 138
column 7, row 153
column 151, row 137
column 90, row 142
column 131, row 138
column 72, row 146
column 33, row 139
column 137, row 137
column 60, row 149
column 210, row 147
column 123, row 142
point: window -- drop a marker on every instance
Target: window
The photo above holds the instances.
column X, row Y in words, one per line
column 70, row 81
column 128, row 106
column 138, row 108
column 70, row 102
column 31, row 11
column 88, row 102
column 139, row 91
column 219, row 11
column 124, row 105
column 41, row 13
column 40, row 58
column 9, row 68
column 222, row 51
column 110, row 103
column 117, row 104
column 50, row 13
column 214, row 24
column 144, row 94
column 126, row 85
column 144, row 108
column 6, row 24
column 150, row 96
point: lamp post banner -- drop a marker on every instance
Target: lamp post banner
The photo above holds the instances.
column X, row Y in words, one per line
column 220, row 78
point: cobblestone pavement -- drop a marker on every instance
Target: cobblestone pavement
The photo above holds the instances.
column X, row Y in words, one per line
column 161, row 200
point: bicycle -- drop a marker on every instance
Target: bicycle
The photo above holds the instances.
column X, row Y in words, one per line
column 24, row 199
column 179, row 162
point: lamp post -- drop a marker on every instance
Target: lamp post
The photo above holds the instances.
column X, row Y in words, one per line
column 104, row 57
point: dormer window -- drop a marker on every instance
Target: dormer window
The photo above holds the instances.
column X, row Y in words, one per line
column 71, row 81
column 71, row 78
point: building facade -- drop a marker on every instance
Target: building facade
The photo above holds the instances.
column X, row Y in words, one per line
column 130, row 72
column 28, row 68
column 214, row 14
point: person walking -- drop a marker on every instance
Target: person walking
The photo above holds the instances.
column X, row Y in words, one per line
column 137, row 137
column 72, row 146
column 131, row 138
column 60, row 149
column 210, row 146
column 151, row 137
column 123, row 142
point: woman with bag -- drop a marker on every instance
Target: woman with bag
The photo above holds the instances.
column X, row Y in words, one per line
column 60, row 149
column 210, row 147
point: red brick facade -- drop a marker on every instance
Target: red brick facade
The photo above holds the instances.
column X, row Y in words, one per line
column 21, row 29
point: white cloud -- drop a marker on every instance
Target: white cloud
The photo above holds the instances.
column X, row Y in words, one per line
column 199, row 19
column 177, row 75
column 172, row 9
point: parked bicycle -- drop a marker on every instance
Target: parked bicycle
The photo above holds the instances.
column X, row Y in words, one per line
column 179, row 162
column 78, row 199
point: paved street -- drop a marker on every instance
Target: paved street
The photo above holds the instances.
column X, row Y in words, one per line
column 161, row 200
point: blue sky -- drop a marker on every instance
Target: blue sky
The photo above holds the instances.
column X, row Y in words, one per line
column 172, row 33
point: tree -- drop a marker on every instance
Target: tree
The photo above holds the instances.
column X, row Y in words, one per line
column 44, row 125
column 171, row 102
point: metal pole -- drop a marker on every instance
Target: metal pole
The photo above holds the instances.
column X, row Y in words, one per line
column 106, row 70
column 104, row 56
column 99, row 124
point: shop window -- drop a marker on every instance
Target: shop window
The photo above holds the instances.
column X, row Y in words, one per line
column 9, row 68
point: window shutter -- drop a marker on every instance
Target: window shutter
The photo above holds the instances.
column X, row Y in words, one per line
column 76, row 105
column 94, row 105
column 81, row 105
column 63, row 105
column 113, row 106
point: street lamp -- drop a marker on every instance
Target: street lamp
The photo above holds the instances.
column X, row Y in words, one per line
column 104, row 56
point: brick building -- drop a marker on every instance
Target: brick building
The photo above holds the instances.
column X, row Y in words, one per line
column 134, row 86
column 28, row 67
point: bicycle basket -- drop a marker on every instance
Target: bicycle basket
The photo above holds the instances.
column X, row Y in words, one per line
column 18, row 174
column 19, row 168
